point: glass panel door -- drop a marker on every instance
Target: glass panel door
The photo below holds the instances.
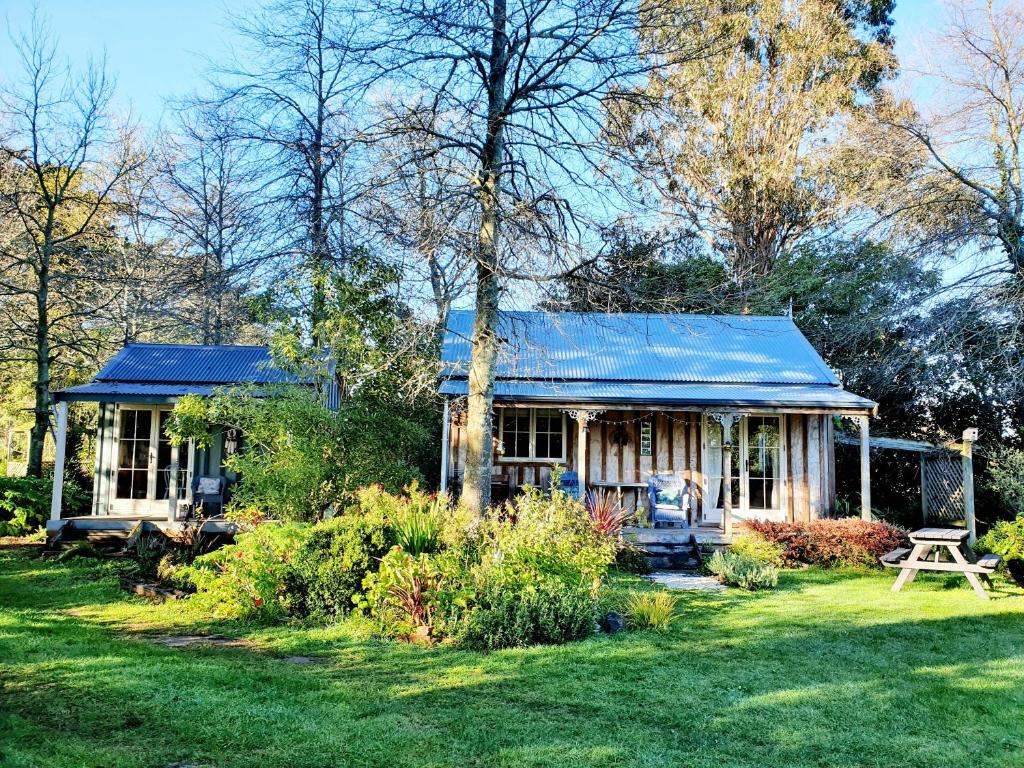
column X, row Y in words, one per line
column 714, row 470
column 134, row 440
column 764, row 464
column 166, row 455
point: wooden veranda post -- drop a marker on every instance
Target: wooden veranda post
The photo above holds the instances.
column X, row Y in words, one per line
column 865, row 470
column 967, row 459
column 61, row 439
column 727, row 483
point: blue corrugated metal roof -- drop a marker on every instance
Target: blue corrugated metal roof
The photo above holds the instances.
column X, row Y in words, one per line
column 103, row 391
column 638, row 347
column 192, row 364
column 664, row 393
column 641, row 358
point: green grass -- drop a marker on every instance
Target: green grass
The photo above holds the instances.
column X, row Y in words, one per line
column 829, row 670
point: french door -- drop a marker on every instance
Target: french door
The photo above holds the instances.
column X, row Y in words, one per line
column 758, row 489
column 144, row 462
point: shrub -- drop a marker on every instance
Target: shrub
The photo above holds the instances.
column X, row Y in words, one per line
column 607, row 515
column 1006, row 539
column 248, row 579
column 550, row 536
column 329, row 567
column 1006, row 478
column 742, row 571
column 25, row 503
column 403, row 595
column 652, row 610
column 298, row 458
column 757, row 547
column 515, row 608
column 830, row 543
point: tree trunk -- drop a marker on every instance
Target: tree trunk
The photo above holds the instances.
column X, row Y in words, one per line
column 476, row 491
column 41, row 411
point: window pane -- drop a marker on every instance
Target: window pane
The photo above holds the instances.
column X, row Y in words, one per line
column 139, row 480
column 542, row 445
column 143, row 422
column 556, row 446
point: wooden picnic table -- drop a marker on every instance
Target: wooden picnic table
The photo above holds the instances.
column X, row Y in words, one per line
column 941, row 549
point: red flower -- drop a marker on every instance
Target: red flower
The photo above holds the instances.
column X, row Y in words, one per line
column 240, row 555
column 259, row 601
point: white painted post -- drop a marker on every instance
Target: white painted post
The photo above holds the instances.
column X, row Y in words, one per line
column 967, row 459
column 727, row 483
column 172, row 486
column 445, row 426
column 865, row 469
column 61, row 439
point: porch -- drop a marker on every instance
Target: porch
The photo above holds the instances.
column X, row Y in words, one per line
column 777, row 463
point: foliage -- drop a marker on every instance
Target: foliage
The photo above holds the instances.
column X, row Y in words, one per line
column 515, row 608
column 652, row 610
column 1006, row 539
column 1006, row 479
column 248, row 579
column 607, row 514
column 403, row 595
column 742, row 571
column 829, row 543
column 25, row 503
column 757, row 547
column 418, row 522
column 330, row 565
column 550, row 535
column 298, row 458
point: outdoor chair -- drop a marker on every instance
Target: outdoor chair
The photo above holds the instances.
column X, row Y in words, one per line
column 669, row 497
column 569, row 484
column 208, row 495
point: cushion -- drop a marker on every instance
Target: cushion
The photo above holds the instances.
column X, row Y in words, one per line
column 208, row 486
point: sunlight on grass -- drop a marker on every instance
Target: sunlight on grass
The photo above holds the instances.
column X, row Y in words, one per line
column 832, row 669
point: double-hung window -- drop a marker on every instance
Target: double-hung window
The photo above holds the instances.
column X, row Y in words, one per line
column 532, row 434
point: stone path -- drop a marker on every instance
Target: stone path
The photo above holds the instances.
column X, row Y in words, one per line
column 676, row 580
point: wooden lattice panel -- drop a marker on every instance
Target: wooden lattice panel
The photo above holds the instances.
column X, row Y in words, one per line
column 944, row 486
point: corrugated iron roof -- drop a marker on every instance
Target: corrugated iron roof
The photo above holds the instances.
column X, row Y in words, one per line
column 103, row 391
column 653, row 359
column 663, row 393
column 192, row 364
column 640, row 347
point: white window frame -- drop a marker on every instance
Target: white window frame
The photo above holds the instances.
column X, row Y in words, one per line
column 743, row 510
column 532, row 458
column 150, row 504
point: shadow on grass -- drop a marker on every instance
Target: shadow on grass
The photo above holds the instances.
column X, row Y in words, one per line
column 830, row 670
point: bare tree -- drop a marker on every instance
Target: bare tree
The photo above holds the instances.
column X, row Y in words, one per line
column 423, row 207
column 289, row 92
column 61, row 163
column 520, row 88
column 209, row 197
column 965, row 169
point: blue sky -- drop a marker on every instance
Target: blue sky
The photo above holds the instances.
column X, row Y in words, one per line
column 157, row 48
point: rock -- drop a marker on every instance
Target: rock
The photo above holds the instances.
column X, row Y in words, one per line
column 613, row 622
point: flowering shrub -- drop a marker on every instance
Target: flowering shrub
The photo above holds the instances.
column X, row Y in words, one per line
column 25, row 503
column 248, row 579
column 830, row 543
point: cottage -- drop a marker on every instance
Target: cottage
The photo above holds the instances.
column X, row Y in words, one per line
column 741, row 407
column 139, row 474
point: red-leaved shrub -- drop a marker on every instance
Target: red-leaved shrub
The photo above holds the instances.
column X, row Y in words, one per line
column 846, row 541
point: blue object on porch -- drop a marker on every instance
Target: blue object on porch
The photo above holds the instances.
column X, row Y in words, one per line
column 569, row 483
column 670, row 499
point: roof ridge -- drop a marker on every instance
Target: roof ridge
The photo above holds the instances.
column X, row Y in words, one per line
column 706, row 315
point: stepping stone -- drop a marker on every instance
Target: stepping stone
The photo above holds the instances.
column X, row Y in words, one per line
column 189, row 641
column 686, row 581
column 303, row 661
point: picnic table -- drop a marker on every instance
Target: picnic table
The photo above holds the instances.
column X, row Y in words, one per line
column 941, row 549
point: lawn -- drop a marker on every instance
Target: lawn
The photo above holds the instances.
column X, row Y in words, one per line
column 832, row 669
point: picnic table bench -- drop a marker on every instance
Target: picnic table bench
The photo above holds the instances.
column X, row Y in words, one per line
column 941, row 549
